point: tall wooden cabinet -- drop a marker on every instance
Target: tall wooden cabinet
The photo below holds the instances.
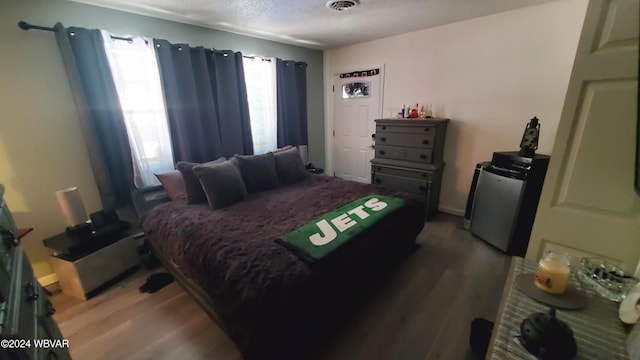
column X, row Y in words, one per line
column 409, row 157
column 25, row 311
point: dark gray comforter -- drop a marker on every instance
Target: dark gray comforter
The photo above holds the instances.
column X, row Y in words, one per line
column 260, row 290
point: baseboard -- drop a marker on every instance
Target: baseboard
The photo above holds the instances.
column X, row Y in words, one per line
column 48, row 279
column 450, row 210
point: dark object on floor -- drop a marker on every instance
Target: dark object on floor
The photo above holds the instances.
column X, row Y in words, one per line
column 480, row 336
column 156, row 282
column 312, row 169
column 547, row 337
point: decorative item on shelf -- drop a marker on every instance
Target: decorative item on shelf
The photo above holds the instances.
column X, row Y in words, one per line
column 73, row 211
column 422, row 114
column 414, row 112
column 553, row 272
column 606, row 279
column 529, row 142
column 429, row 111
column 547, row 337
column 571, row 299
column 629, row 310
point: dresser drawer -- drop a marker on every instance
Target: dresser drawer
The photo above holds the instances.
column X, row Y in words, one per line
column 412, row 129
column 411, row 140
column 412, row 185
column 408, row 154
column 425, row 175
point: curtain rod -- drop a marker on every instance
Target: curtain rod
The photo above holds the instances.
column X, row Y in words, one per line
column 26, row 26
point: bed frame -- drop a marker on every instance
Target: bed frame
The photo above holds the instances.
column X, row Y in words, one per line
column 189, row 286
column 332, row 316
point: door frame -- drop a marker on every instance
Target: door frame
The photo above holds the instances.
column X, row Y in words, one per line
column 330, row 125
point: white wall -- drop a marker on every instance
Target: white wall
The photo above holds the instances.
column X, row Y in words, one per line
column 489, row 75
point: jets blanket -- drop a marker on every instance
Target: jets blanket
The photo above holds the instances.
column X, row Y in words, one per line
column 314, row 241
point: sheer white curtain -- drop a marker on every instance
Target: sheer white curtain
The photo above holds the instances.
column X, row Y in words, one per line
column 137, row 79
column 260, row 77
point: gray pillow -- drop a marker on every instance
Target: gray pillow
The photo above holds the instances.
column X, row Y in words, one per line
column 195, row 194
column 258, row 171
column 221, row 182
column 289, row 167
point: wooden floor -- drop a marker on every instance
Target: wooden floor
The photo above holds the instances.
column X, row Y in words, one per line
column 421, row 311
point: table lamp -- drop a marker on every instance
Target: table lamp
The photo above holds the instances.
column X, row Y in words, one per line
column 73, row 211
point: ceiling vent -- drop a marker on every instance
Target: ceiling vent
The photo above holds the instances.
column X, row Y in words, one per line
column 341, row 5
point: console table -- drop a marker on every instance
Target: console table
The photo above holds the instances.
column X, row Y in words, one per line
column 84, row 266
column 597, row 329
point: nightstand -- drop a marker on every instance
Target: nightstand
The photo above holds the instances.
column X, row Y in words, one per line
column 84, row 266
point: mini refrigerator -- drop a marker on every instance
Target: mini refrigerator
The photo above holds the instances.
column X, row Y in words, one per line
column 504, row 203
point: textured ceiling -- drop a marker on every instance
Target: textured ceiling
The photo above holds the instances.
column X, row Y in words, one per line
column 309, row 23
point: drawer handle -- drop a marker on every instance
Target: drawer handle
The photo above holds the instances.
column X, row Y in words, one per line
column 384, row 128
column 378, row 181
column 426, row 129
column 49, row 309
column 383, row 139
column 422, row 188
column 30, row 291
column 425, row 142
column 9, row 239
column 424, row 175
column 423, row 156
column 381, row 152
column 379, row 168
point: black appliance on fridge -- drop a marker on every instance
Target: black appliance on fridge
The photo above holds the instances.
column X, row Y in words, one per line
column 504, row 198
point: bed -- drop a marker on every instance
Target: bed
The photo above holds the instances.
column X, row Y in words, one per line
column 268, row 301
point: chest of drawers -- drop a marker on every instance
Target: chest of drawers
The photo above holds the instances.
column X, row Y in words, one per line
column 408, row 157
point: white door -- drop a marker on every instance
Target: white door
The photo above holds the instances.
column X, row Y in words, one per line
column 588, row 203
column 357, row 102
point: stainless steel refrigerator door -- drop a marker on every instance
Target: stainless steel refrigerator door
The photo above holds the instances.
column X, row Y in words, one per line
column 496, row 208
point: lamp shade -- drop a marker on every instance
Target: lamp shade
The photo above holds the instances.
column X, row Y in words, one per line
column 71, row 206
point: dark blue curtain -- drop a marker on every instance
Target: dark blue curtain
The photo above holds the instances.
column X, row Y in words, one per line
column 291, row 77
column 100, row 113
column 206, row 99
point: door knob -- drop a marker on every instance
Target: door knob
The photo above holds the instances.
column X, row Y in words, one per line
column 30, row 291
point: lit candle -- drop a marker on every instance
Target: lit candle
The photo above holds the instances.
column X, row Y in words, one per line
column 553, row 273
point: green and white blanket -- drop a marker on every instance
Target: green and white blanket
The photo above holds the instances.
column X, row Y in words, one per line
column 319, row 238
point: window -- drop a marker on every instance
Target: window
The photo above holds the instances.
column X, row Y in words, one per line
column 260, row 79
column 137, row 79
column 356, row 90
